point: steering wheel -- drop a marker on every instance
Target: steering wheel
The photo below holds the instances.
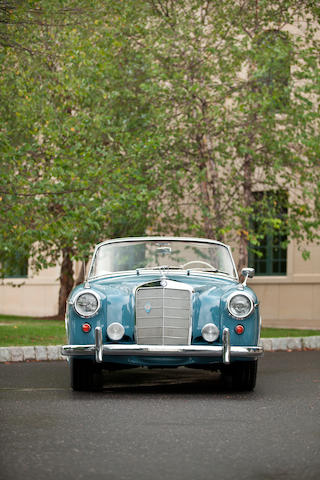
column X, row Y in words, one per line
column 202, row 263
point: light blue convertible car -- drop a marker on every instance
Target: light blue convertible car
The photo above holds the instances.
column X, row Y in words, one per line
column 163, row 302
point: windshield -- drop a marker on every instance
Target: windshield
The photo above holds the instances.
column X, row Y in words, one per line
column 155, row 254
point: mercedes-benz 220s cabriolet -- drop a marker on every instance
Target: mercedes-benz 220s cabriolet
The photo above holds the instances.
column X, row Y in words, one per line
column 163, row 302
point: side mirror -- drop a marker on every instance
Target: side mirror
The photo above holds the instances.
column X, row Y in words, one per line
column 247, row 273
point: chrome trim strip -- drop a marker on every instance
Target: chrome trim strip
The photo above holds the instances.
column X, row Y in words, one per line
column 163, row 315
column 260, row 326
column 226, row 346
column 145, row 271
column 165, row 350
column 233, row 263
column 98, row 345
column 162, row 239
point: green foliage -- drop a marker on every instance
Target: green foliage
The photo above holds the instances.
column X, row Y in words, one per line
column 236, row 89
column 171, row 114
column 74, row 135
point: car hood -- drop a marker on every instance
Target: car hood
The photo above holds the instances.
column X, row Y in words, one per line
column 127, row 284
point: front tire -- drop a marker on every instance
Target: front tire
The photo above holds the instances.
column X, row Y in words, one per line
column 241, row 376
column 85, row 375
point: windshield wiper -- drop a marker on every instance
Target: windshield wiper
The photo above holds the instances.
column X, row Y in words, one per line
column 164, row 267
column 177, row 267
column 161, row 268
column 215, row 270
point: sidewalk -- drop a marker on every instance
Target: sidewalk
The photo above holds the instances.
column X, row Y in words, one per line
column 53, row 352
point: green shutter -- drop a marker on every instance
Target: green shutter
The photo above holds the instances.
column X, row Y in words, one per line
column 14, row 265
column 270, row 257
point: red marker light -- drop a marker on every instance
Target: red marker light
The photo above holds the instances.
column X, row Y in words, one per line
column 239, row 329
column 86, row 327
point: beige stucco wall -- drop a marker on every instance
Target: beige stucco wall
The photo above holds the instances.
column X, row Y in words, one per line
column 292, row 300
column 36, row 295
column 289, row 305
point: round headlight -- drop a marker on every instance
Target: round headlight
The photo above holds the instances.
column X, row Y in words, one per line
column 210, row 332
column 115, row 331
column 240, row 305
column 87, row 304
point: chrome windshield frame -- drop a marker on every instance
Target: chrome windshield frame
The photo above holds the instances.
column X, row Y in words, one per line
column 158, row 239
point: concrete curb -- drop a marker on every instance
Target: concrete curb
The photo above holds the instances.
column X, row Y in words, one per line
column 53, row 352
column 23, row 354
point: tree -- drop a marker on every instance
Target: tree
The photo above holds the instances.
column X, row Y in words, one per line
column 74, row 136
column 236, row 91
column 166, row 113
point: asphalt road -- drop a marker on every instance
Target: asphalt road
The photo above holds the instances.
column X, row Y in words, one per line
column 156, row 424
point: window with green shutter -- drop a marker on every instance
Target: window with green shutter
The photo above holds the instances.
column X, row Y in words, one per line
column 14, row 265
column 270, row 256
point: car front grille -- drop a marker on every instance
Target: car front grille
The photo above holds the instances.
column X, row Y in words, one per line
column 163, row 316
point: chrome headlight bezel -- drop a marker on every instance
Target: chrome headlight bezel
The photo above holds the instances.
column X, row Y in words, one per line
column 232, row 313
column 86, row 314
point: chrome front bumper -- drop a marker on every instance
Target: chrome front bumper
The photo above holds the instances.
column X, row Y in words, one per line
column 225, row 351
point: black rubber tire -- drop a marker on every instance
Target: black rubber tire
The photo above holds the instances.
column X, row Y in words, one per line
column 85, row 375
column 241, row 376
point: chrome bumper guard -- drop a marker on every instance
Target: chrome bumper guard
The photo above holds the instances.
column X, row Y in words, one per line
column 225, row 351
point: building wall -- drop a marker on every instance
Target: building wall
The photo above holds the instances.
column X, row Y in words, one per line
column 36, row 295
column 286, row 301
column 292, row 300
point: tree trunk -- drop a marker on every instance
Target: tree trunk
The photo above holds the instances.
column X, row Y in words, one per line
column 207, row 221
column 82, row 273
column 213, row 223
column 66, row 280
column 243, row 251
column 247, row 201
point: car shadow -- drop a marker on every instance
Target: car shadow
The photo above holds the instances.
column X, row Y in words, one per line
column 178, row 381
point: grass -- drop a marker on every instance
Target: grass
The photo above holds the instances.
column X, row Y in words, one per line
column 287, row 332
column 31, row 331
column 36, row 331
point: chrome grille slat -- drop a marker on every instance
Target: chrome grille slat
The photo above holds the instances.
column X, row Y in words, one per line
column 163, row 315
column 159, row 326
